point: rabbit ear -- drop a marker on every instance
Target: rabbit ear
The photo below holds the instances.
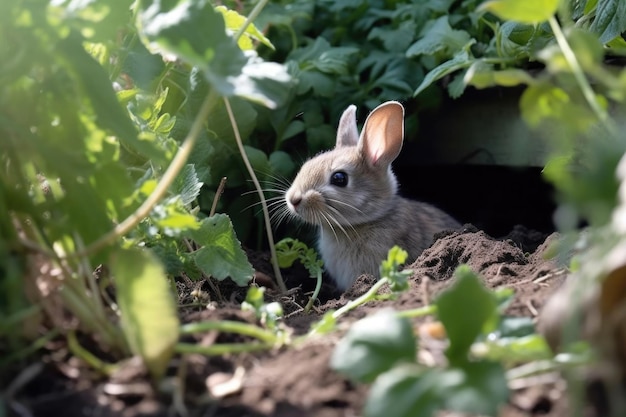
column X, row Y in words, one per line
column 382, row 135
column 347, row 132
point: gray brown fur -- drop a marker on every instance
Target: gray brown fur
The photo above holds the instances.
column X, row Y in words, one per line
column 360, row 222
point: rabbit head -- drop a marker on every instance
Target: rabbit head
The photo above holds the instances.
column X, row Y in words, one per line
column 353, row 183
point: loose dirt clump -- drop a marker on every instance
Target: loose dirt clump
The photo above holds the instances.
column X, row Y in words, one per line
column 297, row 381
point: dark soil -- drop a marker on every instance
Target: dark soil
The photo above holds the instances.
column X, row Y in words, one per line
column 294, row 381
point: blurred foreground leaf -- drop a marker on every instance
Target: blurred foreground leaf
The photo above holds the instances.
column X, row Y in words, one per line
column 149, row 318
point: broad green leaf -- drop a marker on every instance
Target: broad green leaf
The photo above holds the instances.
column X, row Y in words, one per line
column 410, row 391
column 610, row 20
column 96, row 20
column 196, row 33
column 373, row 345
column 453, row 307
column 460, row 61
column 149, row 318
column 220, row 255
column 527, row 11
column 439, row 37
column 234, row 22
column 192, row 31
column 187, row 184
column 477, row 388
column 404, row 391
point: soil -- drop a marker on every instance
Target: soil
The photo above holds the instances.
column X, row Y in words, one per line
column 295, row 381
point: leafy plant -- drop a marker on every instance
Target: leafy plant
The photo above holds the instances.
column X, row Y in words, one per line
column 382, row 349
column 98, row 150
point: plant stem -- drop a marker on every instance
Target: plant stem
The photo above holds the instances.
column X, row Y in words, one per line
column 579, row 74
column 418, row 312
column 259, row 190
column 221, row 348
column 253, row 15
column 218, row 194
column 88, row 357
column 231, row 327
column 159, row 192
column 368, row 296
column 316, row 292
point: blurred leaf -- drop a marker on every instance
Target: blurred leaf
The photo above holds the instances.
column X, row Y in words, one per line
column 373, row 345
column 463, row 328
column 220, row 255
column 149, row 318
column 610, row 20
column 410, row 391
column 234, row 22
column 527, row 11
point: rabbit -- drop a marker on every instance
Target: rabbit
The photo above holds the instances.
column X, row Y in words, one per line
column 351, row 194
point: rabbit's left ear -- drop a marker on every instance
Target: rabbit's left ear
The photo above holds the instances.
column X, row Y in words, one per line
column 347, row 132
column 383, row 133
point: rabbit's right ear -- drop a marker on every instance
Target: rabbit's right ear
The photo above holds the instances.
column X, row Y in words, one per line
column 347, row 132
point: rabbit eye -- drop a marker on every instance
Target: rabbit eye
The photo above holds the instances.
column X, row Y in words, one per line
column 339, row 178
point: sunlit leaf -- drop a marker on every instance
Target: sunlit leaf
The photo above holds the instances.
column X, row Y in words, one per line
column 460, row 61
column 439, row 37
column 527, row 11
column 149, row 318
column 234, row 22
column 220, row 255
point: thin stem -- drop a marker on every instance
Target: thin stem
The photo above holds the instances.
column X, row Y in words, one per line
column 316, row 292
column 88, row 357
column 368, row 296
column 231, row 327
column 218, row 194
column 253, row 15
column 257, row 185
column 221, row 348
column 579, row 74
column 418, row 312
column 159, row 192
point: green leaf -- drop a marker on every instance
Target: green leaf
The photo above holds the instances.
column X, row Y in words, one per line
column 187, row 185
column 221, row 255
column 149, row 319
column 439, row 37
column 194, row 32
column 404, row 391
column 373, row 345
column 97, row 88
column 610, row 20
column 481, row 75
column 477, row 388
column 410, row 391
column 453, row 308
column 459, row 61
column 234, row 22
column 527, row 11
column 282, row 164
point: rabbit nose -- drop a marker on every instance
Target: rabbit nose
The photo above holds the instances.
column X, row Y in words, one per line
column 295, row 200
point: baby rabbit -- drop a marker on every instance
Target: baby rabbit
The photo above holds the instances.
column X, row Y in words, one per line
column 350, row 193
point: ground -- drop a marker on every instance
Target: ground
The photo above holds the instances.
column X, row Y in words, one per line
column 298, row 381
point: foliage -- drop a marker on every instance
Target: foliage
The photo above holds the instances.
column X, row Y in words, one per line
column 382, row 349
column 97, row 134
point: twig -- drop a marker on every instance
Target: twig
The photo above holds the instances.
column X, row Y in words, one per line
column 218, row 194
